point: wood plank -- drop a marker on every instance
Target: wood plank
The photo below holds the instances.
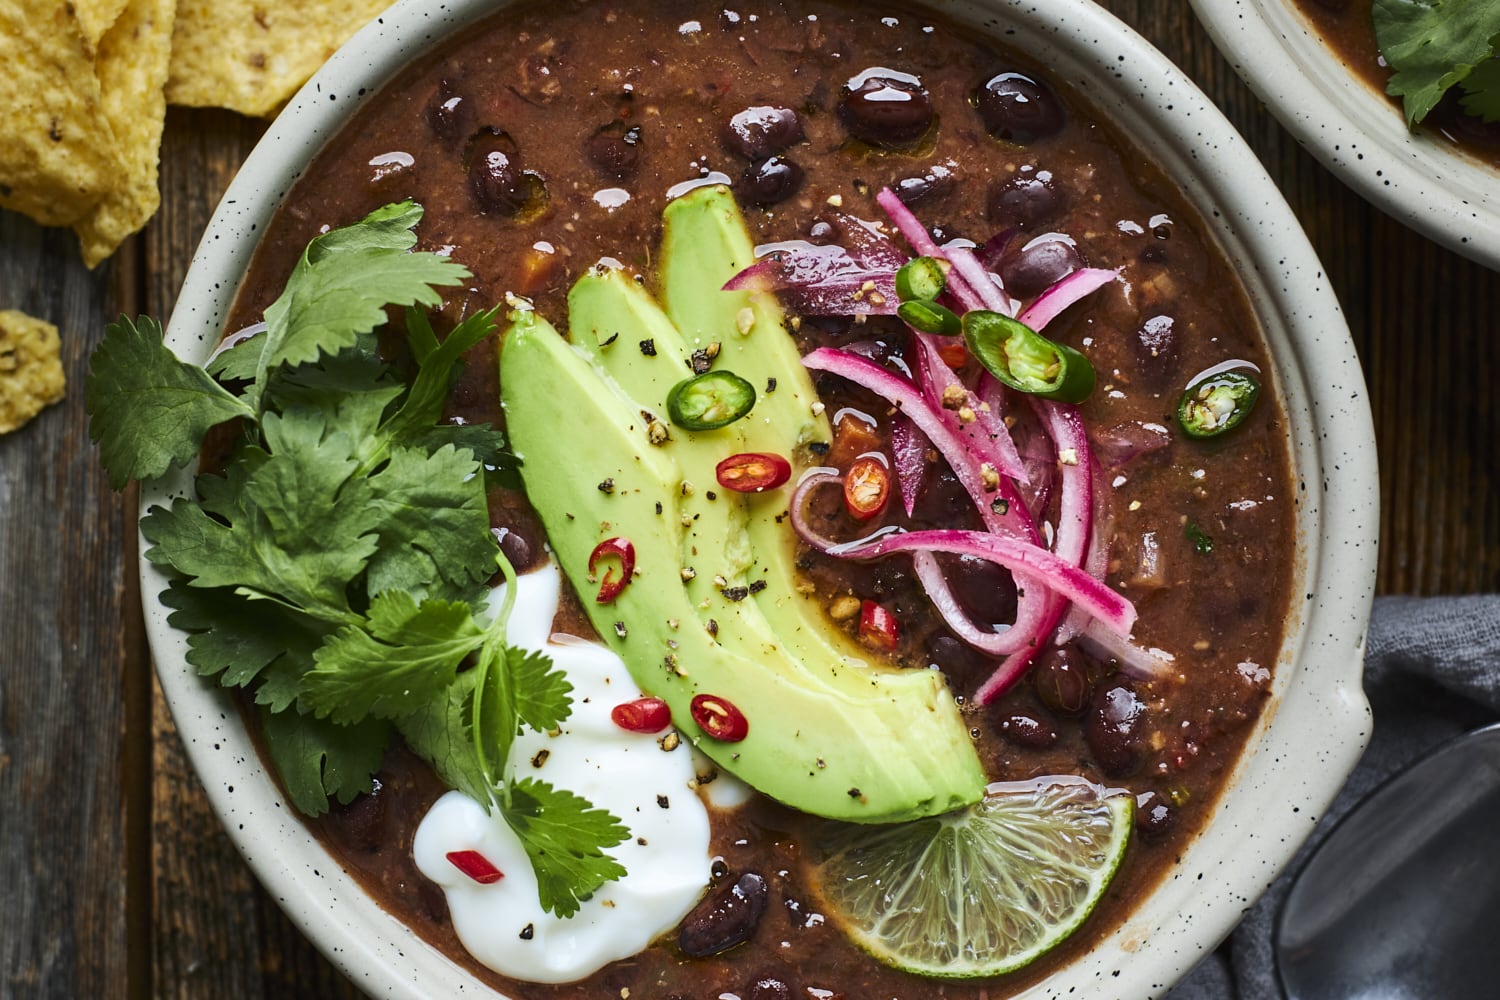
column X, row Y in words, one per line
column 62, row 676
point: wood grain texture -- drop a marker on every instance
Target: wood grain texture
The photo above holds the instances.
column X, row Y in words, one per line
column 116, row 880
column 62, row 672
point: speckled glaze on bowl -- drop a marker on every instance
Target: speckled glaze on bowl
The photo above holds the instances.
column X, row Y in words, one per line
column 1303, row 747
column 1354, row 130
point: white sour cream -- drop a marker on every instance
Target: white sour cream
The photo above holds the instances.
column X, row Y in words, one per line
column 648, row 789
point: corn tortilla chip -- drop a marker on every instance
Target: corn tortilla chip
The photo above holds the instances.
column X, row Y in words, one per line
column 132, row 69
column 31, row 374
column 57, row 153
column 249, row 55
column 96, row 16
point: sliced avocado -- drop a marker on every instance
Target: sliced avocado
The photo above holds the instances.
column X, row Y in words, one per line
column 616, row 322
column 848, row 745
column 705, row 243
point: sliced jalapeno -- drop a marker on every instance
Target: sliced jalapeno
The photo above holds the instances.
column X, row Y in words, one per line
column 709, row 401
column 921, row 278
column 929, row 317
column 1218, row 403
column 1025, row 360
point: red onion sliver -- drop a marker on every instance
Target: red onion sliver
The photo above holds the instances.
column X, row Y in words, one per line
column 1046, row 307
column 986, row 433
column 936, row 584
column 908, row 398
column 909, row 455
column 1146, row 664
column 1068, row 581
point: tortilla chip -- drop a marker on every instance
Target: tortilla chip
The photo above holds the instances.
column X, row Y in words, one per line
column 31, row 374
column 96, row 16
column 57, row 153
column 132, row 70
column 251, row 56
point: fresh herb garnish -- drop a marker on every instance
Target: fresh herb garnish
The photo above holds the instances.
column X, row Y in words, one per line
column 1434, row 45
column 1202, row 543
column 336, row 565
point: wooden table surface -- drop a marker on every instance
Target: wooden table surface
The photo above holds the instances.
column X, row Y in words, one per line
column 115, row 877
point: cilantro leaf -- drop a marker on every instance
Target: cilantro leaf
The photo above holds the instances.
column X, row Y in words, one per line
column 148, row 411
column 433, row 522
column 438, row 732
column 343, row 285
column 398, row 659
column 1431, row 45
column 234, row 639
column 1482, row 89
column 293, row 528
column 541, row 689
column 318, row 760
column 565, row 837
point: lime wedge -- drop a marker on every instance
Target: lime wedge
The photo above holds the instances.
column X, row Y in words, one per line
column 979, row 892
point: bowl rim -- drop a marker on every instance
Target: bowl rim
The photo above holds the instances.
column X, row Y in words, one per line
column 1434, row 187
column 1317, row 708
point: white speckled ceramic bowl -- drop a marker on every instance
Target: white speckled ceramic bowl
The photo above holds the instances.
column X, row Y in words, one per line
column 1318, row 720
column 1355, row 130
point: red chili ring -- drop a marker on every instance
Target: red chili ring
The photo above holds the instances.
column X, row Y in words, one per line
column 753, row 472
column 611, row 586
column 867, row 488
column 644, row 715
column 719, row 718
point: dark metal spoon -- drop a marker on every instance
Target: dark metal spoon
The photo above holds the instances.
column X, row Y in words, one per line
column 1402, row 900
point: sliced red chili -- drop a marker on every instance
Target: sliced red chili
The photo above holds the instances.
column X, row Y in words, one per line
column 954, row 354
column 644, row 715
column 753, row 472
column 476, row 866
column 878, row 626
column 621, row 549
column 719, row 718
column 867, row 488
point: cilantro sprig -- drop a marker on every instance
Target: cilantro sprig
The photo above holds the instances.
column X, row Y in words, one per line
column 1435, row 45
column 336, row 566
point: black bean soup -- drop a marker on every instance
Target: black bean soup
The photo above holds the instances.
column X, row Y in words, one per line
column 551, row 137
column 1346, row 27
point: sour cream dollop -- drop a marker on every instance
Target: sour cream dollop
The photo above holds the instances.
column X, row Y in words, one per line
column 650, row 790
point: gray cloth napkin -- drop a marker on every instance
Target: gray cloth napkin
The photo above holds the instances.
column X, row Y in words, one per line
column 1432, row 671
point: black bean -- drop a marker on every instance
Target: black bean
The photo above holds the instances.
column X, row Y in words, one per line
column 758, row 132
column 1156, row 349
column 448, row 115
column 615, row 149
column 1032, row 268
column 937, row 181
column 514, row 546
column 725, row 918
column 1027, row 200
column 1028, row 731
column 1018, row 108
column 767, row 182
column 1115, row 728
column 1154, row 815
column 495, row 173
column 953, row 656
column 1063, row 678
column 886, row 108
column 985, row 591
column 769, row 988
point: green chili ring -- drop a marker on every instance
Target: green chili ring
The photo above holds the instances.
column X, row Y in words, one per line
column 1217, row 404
column 1026, row 361
column 929, row 317
column 709, row 401
column 922, row 278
